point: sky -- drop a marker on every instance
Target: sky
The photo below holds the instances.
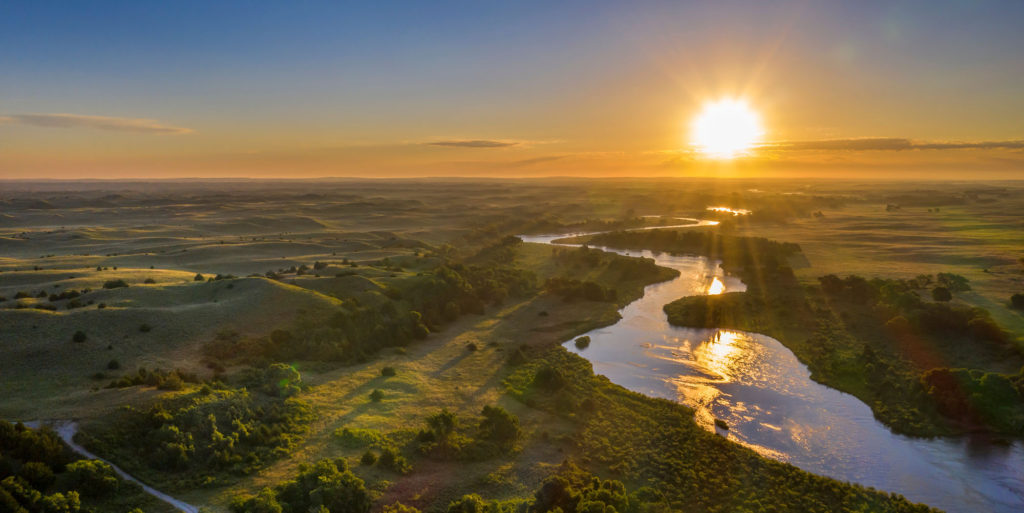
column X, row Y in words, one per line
column 300, row 89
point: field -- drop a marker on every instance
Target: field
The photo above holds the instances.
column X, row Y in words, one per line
column 199, row 260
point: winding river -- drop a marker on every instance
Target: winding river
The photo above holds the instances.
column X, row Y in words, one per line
column 771, row 405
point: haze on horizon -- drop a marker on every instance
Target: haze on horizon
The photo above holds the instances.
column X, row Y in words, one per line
column 517, row 89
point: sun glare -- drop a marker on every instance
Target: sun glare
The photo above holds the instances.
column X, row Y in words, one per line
column 726, row 129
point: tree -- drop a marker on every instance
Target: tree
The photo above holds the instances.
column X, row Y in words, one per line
column 198, row 277
column 941, row 294
column 472, row 503
column 953, row 282
column 281, row 380
column 500, row 427
column 39, row 475
column 264, row 502
column 79, row 336
column 92, row 477
column 398, row 507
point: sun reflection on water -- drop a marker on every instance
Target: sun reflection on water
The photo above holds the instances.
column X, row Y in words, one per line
column 716, row 287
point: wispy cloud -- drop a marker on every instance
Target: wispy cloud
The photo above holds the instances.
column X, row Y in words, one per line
column 136, row 125
column 889, row 144
column 473, row 143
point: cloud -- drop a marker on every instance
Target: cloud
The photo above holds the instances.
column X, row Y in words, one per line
column 474, row 143
column 537, row 160
column 889, row 144
column 136, row 125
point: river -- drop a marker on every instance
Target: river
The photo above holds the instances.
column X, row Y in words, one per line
column 771, row 405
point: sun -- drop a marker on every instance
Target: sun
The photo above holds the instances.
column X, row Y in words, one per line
column 726, row 129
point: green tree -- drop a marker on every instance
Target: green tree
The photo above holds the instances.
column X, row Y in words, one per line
column 941, row 294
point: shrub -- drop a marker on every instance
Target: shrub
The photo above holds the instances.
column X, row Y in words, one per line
column 355, row 437
column 79, row 336
column 393, row 460
column 499, row 427
column 471, row 346
column 115, row 284
column 368, row 458
column 113, row 365
column 198, row 277
column 1017, row 301
column 145, row 328
column 376, row 396
column 149, row 281
column 387, row 372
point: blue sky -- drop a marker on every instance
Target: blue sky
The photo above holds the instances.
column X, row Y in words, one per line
column 369, row 82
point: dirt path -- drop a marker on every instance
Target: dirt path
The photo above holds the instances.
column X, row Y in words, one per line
column 67, row 429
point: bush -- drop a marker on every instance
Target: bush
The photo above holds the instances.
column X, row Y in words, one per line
column 198, row 277
column 368, row 458
column 393, row 460
column 499, row 427
column 79, row 336
column 113, row 365
column 145, row 328
column 355, row 437
column 1017, row 301
column 387, row 372
column 149, row 281
column 583, row 342
column 376, row 396
column 93, row 477
column 115, row 284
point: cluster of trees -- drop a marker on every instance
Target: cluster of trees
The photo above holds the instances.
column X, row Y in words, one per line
column 658, row 443
column 164, row 380
column 866, row 337
column 38, row 474
column 570, row 290
column 976, row 397
column 745, row 256
column 446, row 437
column 210, row 431
column 71, row 295
column 328, row 486
column 408, row 310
